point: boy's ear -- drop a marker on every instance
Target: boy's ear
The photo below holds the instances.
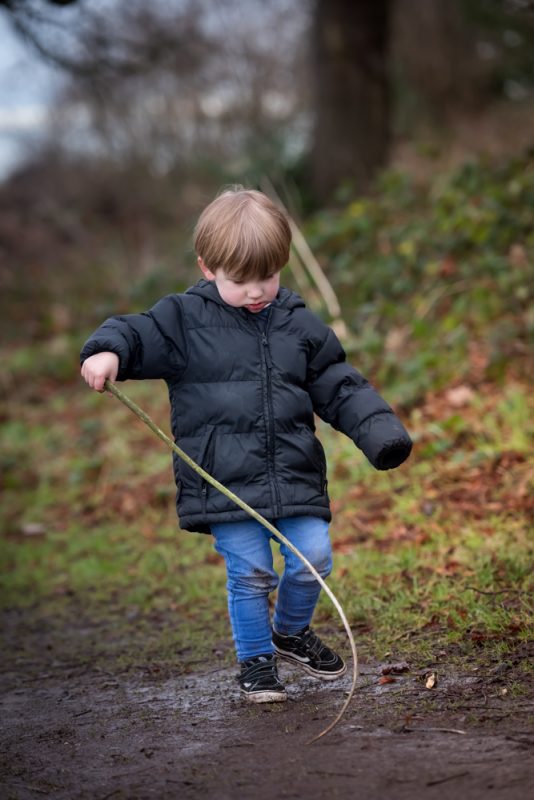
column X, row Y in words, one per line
column 208, row 274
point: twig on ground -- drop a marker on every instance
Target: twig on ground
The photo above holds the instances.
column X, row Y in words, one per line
column 448, row 778
column 238, row 744
column 413, row 632
column 332, row 774
column 215, row 669
column 406, row 729
column 27, row 786
column 500, row 591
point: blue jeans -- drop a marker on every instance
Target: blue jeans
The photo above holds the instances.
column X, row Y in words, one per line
column 246, row 548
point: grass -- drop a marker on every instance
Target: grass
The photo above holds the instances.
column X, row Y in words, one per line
column 437, row 554
column 442, row 552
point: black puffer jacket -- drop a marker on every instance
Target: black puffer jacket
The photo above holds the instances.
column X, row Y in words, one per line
column 243, row 397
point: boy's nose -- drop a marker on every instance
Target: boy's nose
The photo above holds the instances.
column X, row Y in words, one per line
column 255, row 292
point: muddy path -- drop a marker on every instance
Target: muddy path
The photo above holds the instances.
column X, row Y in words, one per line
column 76, row 724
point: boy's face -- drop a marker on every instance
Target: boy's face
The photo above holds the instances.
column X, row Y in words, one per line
column 253, row 295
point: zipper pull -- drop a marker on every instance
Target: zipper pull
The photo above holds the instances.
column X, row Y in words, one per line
column 267, row 352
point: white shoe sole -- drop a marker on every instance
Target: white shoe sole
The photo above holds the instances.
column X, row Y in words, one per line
column 264, row 697
column 324, row 676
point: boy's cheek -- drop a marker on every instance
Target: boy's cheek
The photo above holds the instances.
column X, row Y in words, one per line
column 226, row 295
column 231, row 295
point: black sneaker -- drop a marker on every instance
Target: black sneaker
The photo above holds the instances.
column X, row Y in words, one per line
column 307, row 650
column 259, row 680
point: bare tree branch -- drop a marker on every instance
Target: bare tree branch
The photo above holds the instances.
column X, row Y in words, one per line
column 127, row 40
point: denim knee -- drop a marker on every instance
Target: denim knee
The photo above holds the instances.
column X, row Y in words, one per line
column 258, row 583
column 320, row 558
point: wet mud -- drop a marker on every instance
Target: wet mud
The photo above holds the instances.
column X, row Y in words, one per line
column 72, row 728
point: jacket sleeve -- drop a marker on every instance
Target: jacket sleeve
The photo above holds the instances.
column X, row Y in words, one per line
column 152, row 344
column 346, row 400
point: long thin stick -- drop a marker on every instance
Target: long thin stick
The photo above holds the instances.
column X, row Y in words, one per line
column 317, row 274
column 110, row 387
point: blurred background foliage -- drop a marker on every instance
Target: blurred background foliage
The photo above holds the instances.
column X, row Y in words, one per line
column 436, row 280
column 368, row 110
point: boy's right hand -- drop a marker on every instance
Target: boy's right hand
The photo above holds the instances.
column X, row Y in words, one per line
column 97, row 368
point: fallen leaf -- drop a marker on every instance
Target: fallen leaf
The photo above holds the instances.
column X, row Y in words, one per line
column 386, row 679
column 518, row 255
column 431, row 680
column 33, row 529
column 460, row 396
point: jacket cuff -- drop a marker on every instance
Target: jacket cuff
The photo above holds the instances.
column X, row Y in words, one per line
column 384, row 441
column 393, row 455
column 93, row 347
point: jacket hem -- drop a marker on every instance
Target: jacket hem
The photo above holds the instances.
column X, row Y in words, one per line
column 200, row 523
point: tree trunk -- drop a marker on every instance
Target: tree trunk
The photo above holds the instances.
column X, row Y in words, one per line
column 350, row 64
column 435, row 60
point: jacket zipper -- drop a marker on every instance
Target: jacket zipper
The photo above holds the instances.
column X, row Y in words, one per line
column 267, row 365
column 202, row 456
column 322, row 467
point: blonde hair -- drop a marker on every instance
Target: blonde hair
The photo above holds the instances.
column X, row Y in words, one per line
column 243, row 233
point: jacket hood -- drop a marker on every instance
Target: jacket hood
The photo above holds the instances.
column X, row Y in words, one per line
column 208, row 290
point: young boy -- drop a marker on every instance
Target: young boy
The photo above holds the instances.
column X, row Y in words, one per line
column 247, row 366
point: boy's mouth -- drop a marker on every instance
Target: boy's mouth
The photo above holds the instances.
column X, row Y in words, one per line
column 255, row 306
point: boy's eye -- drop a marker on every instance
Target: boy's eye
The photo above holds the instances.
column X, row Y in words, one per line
column 240, row 283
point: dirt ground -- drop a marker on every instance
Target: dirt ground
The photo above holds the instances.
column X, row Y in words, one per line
column 76, row 724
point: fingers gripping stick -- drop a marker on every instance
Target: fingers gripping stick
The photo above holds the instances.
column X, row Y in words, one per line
column 110, row 387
